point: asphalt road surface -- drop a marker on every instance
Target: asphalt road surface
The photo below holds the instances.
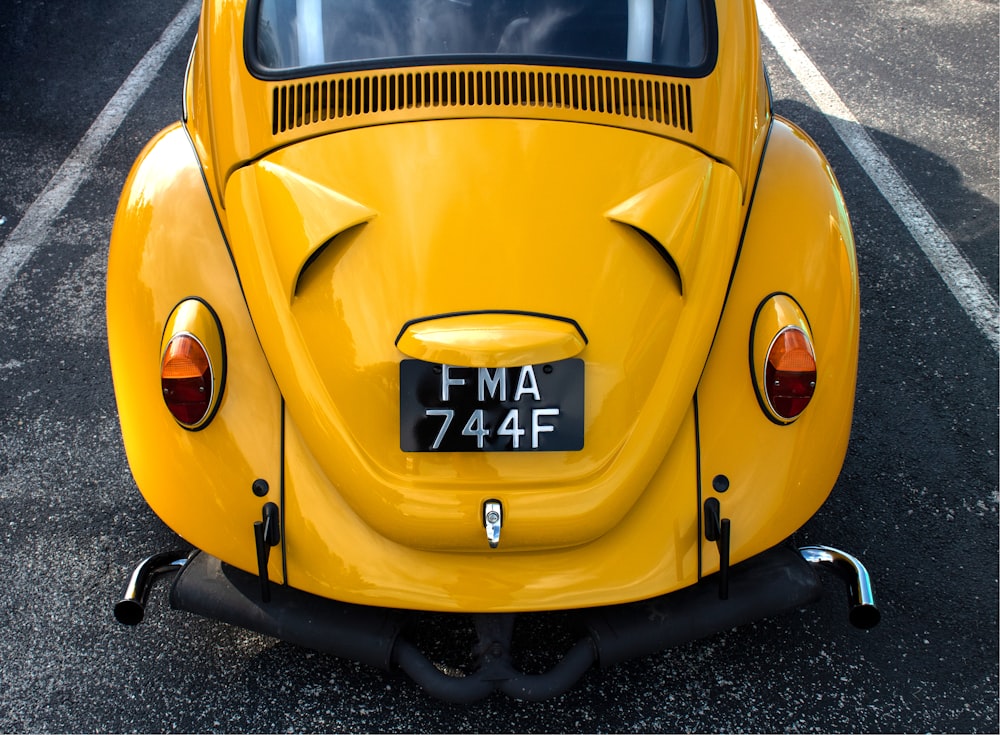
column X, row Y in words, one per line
column 917, row 499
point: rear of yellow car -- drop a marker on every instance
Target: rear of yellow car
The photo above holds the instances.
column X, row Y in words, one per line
column 485, row 307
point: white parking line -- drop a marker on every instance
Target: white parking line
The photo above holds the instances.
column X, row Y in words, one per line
column 960, row 277
column 33, row 229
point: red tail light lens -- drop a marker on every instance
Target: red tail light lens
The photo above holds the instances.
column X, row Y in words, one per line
column 790, row 373
column 186, row 378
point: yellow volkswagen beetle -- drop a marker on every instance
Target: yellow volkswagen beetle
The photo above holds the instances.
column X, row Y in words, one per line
column 488, row 307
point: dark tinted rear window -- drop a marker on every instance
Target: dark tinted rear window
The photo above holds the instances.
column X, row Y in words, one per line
column 300, row 34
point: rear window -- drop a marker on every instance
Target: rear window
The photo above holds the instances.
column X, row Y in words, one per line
column 290, row 35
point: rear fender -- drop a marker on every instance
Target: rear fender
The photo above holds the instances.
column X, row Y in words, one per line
column 797, row 241
column 167, row 246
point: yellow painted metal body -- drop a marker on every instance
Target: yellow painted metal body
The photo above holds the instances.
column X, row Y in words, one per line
column 166, row 247
column 334, row 247
column 798, row 241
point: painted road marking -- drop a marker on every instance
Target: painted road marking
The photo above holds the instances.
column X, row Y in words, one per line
column 33, row 229
column 960, row 277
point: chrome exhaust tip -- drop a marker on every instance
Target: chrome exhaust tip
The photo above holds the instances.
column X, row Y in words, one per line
column 863, row 612
column 132, row 607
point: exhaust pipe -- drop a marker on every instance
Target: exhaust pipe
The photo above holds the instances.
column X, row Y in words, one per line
column 773, row 582
column 863, row 612
column 132, row 607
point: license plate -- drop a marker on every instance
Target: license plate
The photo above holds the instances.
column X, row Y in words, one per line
column 535, row 408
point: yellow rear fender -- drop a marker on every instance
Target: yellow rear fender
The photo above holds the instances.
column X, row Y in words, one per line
column 797, row 272
column 170, row 275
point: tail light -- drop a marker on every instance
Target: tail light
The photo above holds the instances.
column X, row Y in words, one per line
column 186, row 377
column 783, row 361
column 789, row 373
column 192, row 364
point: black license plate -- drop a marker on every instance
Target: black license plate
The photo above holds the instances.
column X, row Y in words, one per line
column 535, row 408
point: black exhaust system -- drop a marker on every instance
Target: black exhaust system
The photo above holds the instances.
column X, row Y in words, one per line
column 776, row 581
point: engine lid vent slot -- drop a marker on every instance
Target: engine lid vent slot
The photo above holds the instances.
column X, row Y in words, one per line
column 605, row 95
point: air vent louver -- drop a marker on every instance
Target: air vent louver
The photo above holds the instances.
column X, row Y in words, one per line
column 339, row 98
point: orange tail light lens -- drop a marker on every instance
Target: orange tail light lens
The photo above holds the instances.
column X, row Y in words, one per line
column 790, row 373
column 186, row 378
